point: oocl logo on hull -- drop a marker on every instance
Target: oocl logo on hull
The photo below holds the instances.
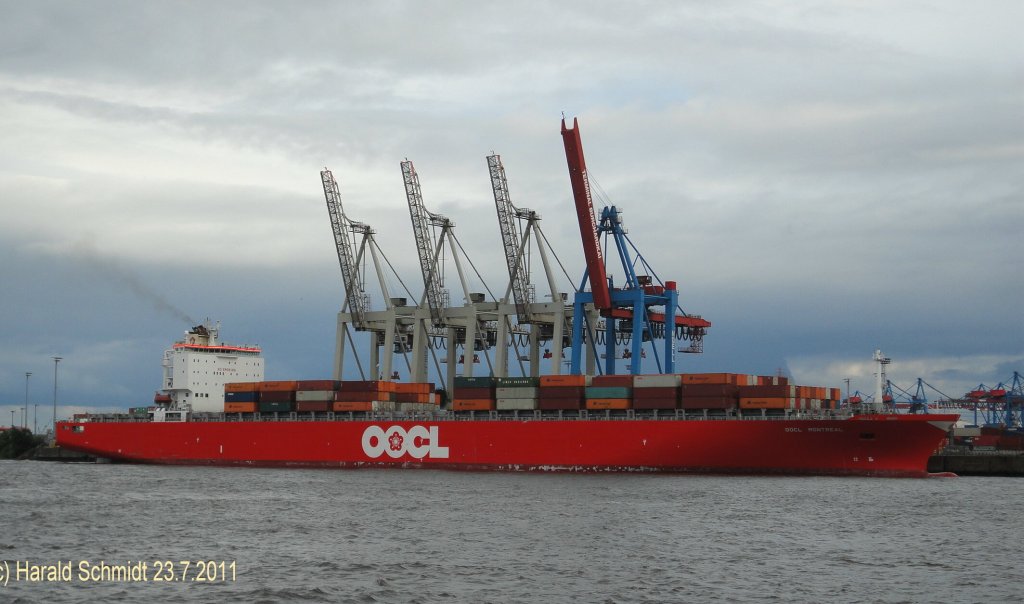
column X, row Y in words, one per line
column 417, row 441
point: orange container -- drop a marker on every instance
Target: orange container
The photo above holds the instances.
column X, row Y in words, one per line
column 563, row 380
column 473, row 404
column 765, row 402
column 284, row 386
column 352, row 406
column 710, row 378
column 607, row 403
column 240, row 387
column 239, row 407
column 412, row 387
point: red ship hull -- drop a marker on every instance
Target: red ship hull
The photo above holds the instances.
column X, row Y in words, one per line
column 881, row 445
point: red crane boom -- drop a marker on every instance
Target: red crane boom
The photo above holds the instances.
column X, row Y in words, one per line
column 585, row 215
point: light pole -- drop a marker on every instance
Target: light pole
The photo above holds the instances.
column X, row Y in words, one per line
column 847, row 380
column 56, row 360
column 35, row 418
column 28, row 374
column 12, row 419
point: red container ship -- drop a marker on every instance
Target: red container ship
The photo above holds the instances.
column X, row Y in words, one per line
column 869, row 445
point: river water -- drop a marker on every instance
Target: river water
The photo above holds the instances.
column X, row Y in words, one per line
column 280, row 535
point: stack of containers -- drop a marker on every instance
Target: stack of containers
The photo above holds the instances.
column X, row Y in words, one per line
column 414, row 396
column 516, row 393
column 240, row 397
column 656, row 391
column 473, row 394
column 276, row 397
column 609, row 392
column 770, row 396
column 315, row 395
column 561, row 392
column 364, row 395
column 716, row 391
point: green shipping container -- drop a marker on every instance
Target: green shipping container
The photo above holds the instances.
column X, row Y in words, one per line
column 267, row 407
column 474, row 382
column 517, row 382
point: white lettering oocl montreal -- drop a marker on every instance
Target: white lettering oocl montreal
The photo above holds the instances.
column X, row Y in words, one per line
column 417, row 441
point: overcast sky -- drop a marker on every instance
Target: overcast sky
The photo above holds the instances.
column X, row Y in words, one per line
column 820, row 180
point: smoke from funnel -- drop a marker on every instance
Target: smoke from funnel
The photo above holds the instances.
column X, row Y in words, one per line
column 86, row 252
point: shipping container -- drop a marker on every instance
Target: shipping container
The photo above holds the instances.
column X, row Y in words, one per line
column 768, row 391
column 277, row 396
column 239, row 407
column 651, row 393
column 564, row 380
column 314, row 395
column 362, row 396
column 413, row 387
column 516, row 392
column 278, row 386
column 240, row 387
column 715, row 390
column 620, row 381
column 608, row 392
column 709, row 378
column 575, row 392
column 707, row 402
column 474, row 382
column 764, row 402
column 241, row 397
column 515, row 404
column 313, row 405
column 670, row 380
column 655, row 402
column 483, row 404
column 513, row 382
column 469, row 392
column 317, row 385
column 366, row 386
column 411, row 397
column 559, row 404
column 607, row 403
column 274, row 406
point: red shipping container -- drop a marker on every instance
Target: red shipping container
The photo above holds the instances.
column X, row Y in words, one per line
column 666, row 392
column 473, row 393
column 239, row 407
column 369, row 395
column 607, row 403
column 707, row 402
column 277, row 396
column 317, row 385
column 615, row 381
column 711, row 390
column 313, row 406
column 655, row 403
column 549, row 392
column 240, row 387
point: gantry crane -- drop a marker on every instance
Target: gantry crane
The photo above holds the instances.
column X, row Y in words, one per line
column 467, row 324
column 626, row 309
column 390, row 327
column 547, row 321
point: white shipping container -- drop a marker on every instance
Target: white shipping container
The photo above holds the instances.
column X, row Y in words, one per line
column 314, row 395
column 516, row 404
column 670, row 380
column 516, row 392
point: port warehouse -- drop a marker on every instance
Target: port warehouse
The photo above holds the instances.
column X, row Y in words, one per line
column 714, row 392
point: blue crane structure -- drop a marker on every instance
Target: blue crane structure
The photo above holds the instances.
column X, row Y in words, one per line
column 627, row 309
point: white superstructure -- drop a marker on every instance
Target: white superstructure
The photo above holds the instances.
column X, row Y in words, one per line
column 197, row 367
